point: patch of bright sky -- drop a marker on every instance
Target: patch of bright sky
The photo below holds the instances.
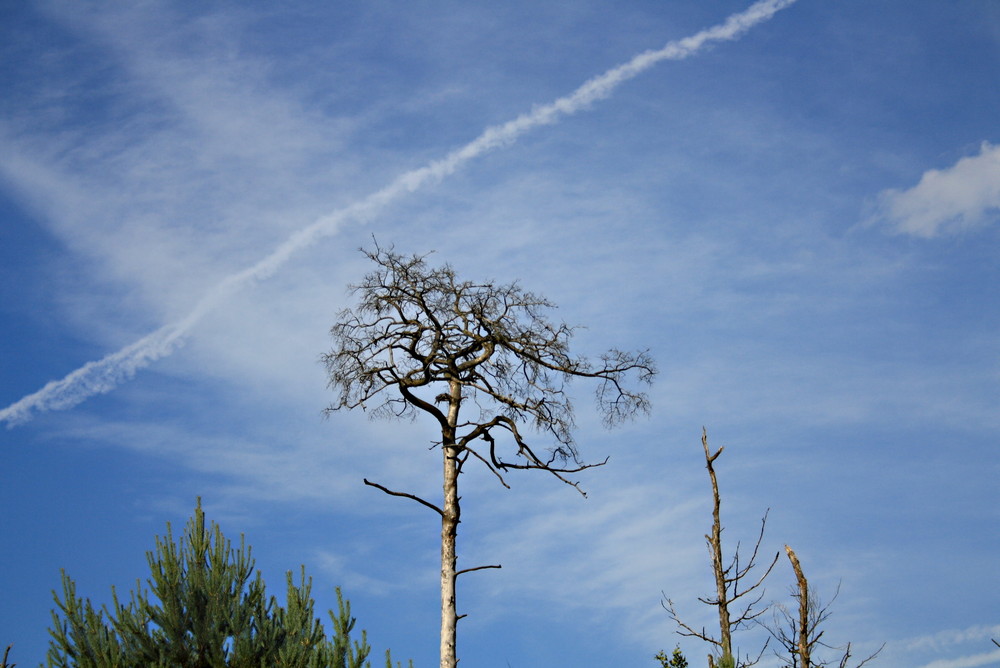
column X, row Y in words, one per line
column 801, row 224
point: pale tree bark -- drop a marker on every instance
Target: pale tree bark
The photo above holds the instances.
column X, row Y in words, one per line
column 800, row 633
column 715, row 548
column 449, row 561
column 419, row 330
column 730, row 581
column 802, row 641
column 449, row 531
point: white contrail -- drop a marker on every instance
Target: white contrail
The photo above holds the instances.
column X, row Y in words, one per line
column 103, row 375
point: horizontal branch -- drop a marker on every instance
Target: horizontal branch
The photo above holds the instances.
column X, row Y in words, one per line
column 405, row 495
column 477, row 568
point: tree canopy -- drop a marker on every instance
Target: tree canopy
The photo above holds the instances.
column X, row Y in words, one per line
column 443, row 343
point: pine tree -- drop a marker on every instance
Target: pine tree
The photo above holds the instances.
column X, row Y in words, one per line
column 205, row 607
column 675, row 660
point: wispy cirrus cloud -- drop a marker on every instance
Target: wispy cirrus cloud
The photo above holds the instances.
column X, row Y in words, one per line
column 101, row 376
column 949, row 642
column 960, row 197
column 944, row 639
column 972, row 661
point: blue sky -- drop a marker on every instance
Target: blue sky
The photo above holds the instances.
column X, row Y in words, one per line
column 800, row 222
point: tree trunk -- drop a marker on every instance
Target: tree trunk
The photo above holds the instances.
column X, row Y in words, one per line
column 449, row 533
column 715, row 546
column 805, row 661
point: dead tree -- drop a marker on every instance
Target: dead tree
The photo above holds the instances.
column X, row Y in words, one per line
column 730, row 582
column 799, row 633
column 483, row 362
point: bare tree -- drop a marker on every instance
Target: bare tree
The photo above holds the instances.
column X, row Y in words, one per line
column 483, row 362
column 730, row 582
column 799, row 633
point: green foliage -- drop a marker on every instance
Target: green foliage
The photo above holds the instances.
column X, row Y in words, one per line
column 726, row 661
column 206, row 607
column 675, row 660
column 388, row 661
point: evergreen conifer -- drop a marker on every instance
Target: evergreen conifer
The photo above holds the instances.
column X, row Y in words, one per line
column 205, row 607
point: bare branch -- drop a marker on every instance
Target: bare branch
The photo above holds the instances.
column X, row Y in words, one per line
column 417, row 326
column 489, row 466
column 405, row 495
column 687, row 630
column 477, row 568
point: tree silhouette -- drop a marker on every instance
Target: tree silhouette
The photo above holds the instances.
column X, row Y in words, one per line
column 482, row 361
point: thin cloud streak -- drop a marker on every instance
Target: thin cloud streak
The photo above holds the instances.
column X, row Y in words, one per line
column 102, row 376
column 942, row 639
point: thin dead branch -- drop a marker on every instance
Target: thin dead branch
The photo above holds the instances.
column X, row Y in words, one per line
column 477, row 568
column 404, row 495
